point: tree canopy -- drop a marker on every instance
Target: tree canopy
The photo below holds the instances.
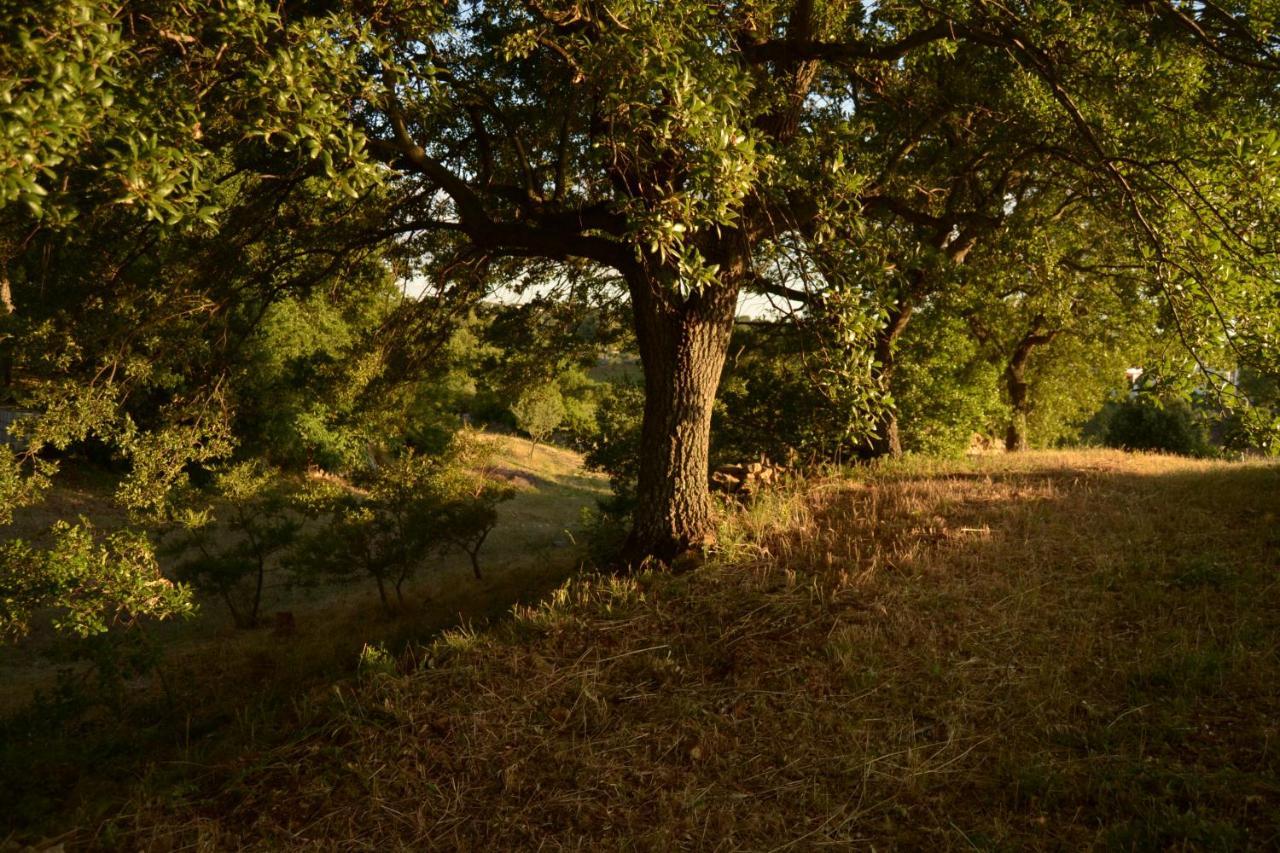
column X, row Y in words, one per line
column 686, row 146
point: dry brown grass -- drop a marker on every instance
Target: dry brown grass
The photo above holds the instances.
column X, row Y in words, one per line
column 1052, row 651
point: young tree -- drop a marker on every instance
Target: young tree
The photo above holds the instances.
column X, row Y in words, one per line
column 226, row 549
column 384, row 532
column 411, row 508
column 538, row 411
column 466, row 495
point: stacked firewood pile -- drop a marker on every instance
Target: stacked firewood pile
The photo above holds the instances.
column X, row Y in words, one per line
column 747, row 478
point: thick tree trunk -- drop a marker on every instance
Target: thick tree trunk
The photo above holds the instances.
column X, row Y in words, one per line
column 683, row 343
column 1015, row 375
column 1015, row 439
column 887, row 440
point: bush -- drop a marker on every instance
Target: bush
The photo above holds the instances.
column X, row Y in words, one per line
column 85, row 583
column 1147, row 423
column 582, row 396
column 794, row 393
column 617, row 449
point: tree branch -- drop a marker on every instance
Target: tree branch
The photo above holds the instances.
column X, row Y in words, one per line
column 793, row 50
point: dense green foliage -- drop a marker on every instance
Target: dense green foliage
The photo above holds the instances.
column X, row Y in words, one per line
column 795, row 393
column 946, row 391
column 617, row 448
column 128, row 104
column 1145, row 422
column 90, row 582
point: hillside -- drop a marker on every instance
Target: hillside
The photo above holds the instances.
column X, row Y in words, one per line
column 530, row 551
column 1051, row 651
column 216, row 687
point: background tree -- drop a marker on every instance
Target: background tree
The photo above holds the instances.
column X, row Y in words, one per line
column 800, row 388
column 1058, row 291
column 946, row 388
column 538, row 411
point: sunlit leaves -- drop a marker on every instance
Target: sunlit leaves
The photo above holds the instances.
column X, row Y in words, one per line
column 93, row 582
column 133, row 102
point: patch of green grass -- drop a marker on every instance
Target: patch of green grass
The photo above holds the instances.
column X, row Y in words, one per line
column 1203, row 572
column 1181, row 672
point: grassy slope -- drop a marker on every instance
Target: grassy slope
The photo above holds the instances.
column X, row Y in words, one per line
column 222, row 689
column 529, row 552
column 1057, row 651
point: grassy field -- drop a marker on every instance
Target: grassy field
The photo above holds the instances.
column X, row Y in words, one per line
column 1049, row 651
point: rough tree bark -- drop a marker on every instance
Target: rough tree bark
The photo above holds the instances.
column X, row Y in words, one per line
column 683, row 344
column 1015, row 375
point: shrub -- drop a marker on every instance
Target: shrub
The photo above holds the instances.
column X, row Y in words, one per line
column 85, row 583
column 1148, row 423
column 798, row 392
column 616, row 451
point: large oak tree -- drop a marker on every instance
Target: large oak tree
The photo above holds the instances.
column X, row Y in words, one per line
column 681, row 144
